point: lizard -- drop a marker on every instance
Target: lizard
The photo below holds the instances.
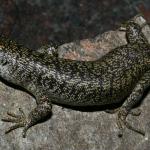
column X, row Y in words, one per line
column 120, row 76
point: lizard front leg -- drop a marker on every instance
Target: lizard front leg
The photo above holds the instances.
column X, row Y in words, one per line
column 131, row 101
column 50, row 49
column 41, row 112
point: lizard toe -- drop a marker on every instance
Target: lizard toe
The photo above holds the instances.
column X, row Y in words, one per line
column 122, row 122
column 19, row 120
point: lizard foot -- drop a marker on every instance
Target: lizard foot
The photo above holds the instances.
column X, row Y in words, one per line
column 121, row 122
column 37, row 115
column 19, row 120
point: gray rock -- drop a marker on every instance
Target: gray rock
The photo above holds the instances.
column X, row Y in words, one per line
column 70, row 129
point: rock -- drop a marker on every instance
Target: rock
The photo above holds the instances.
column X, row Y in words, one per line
column 73, row 129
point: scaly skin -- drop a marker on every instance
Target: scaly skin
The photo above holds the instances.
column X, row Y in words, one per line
column 120, row 76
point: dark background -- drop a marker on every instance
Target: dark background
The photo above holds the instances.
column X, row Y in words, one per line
column 37, row 22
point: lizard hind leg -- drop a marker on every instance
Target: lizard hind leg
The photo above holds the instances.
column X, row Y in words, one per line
column 133, row 99
column 121, row 120
column 41, row 112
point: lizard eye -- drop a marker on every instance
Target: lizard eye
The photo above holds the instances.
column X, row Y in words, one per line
column 4, row 62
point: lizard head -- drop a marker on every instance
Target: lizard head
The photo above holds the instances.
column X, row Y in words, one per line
column 134, row 33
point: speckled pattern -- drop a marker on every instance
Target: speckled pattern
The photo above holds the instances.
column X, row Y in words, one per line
column 120, row 74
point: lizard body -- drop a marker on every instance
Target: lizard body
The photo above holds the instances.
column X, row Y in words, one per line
column 120, row 76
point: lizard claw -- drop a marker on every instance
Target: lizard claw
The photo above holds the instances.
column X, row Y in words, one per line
column 122, row 122
column 135, row 112
column 19, row 120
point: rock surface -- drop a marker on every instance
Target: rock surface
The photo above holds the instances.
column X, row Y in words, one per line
column 70, row 129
